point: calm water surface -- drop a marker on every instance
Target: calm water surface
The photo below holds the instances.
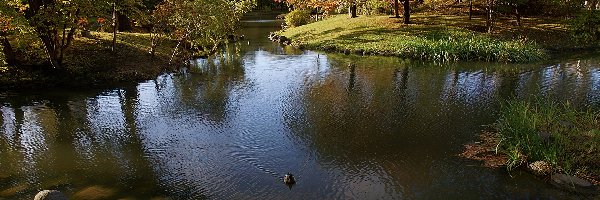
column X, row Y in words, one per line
column 230, row 127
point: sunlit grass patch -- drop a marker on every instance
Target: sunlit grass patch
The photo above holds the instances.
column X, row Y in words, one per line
column 428, row 40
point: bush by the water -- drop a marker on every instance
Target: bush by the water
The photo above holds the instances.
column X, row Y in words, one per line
column 297, row 18
column 586, row 26
column 558, row 133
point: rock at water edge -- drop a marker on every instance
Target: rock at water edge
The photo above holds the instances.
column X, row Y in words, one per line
column 540, row 168
column 570, row 181
column 50, row 195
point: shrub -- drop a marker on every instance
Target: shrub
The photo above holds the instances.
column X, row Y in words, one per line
column 586, row 26
column 374, row 7
column 297, row 18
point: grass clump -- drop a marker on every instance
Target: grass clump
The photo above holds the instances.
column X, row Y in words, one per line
column 540, row 130
column 381, row 35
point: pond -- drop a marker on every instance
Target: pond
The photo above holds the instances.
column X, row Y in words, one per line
column 348, row 127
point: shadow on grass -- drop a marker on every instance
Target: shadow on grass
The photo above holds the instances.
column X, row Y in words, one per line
column 90, row 62
column 333, row 30
column 431, row 33
column 94, row 60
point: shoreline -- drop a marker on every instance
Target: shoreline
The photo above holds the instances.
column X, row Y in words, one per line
column 552, row 140
column 480, row 151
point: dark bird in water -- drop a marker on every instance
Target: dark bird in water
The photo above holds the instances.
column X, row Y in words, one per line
column 289, row 179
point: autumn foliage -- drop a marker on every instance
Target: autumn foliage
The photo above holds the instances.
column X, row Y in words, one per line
column 5, row 24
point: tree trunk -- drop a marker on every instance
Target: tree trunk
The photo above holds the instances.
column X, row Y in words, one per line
column 9, row 54
column 153, row 43
column 352, row 10
column 175, row 50
column 396, row 8
column 68, row 38
column 470, row 9
column 51, row 49
column 43, row 31
column 518, row 14
column 406, row 12
column 124, row 22
column 47, row 30
column 352, row 80
column 114, row 25
column 490, row 16
column 593, row 5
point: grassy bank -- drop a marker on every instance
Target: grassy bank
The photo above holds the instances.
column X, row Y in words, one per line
column 537, row 130
column 431, row 37
column 90, row 61
column 545, row 137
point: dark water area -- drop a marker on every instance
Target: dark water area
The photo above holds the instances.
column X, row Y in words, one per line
column 348, row 127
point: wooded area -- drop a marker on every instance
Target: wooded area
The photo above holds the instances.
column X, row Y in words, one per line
column 201, row 25
column 492, row 8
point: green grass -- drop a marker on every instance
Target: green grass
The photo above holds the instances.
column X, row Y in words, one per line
column 426, row 40
column 574, row 143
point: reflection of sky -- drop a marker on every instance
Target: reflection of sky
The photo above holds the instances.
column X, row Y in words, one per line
column 524, row 80
column 469, row 87
column 106, row 116
column 575, row 81
column 194, row 154
column 549, row 78
column 594, row 93
column 8, row 122
column 32, row 139
column 147, row 99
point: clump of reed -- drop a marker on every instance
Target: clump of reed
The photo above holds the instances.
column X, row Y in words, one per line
column 556, row 132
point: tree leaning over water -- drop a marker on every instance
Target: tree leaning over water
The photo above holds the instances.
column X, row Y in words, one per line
column 201, row 24
column 56, row 22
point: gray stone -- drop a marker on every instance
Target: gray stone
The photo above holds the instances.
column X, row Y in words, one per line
column 359, row 52
column 86, row 34
column 546, row 137
column 566, row 124
column 566, row 180
column 50, row 195
column 329, row 48
column 540, row 168
column 283, row 39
